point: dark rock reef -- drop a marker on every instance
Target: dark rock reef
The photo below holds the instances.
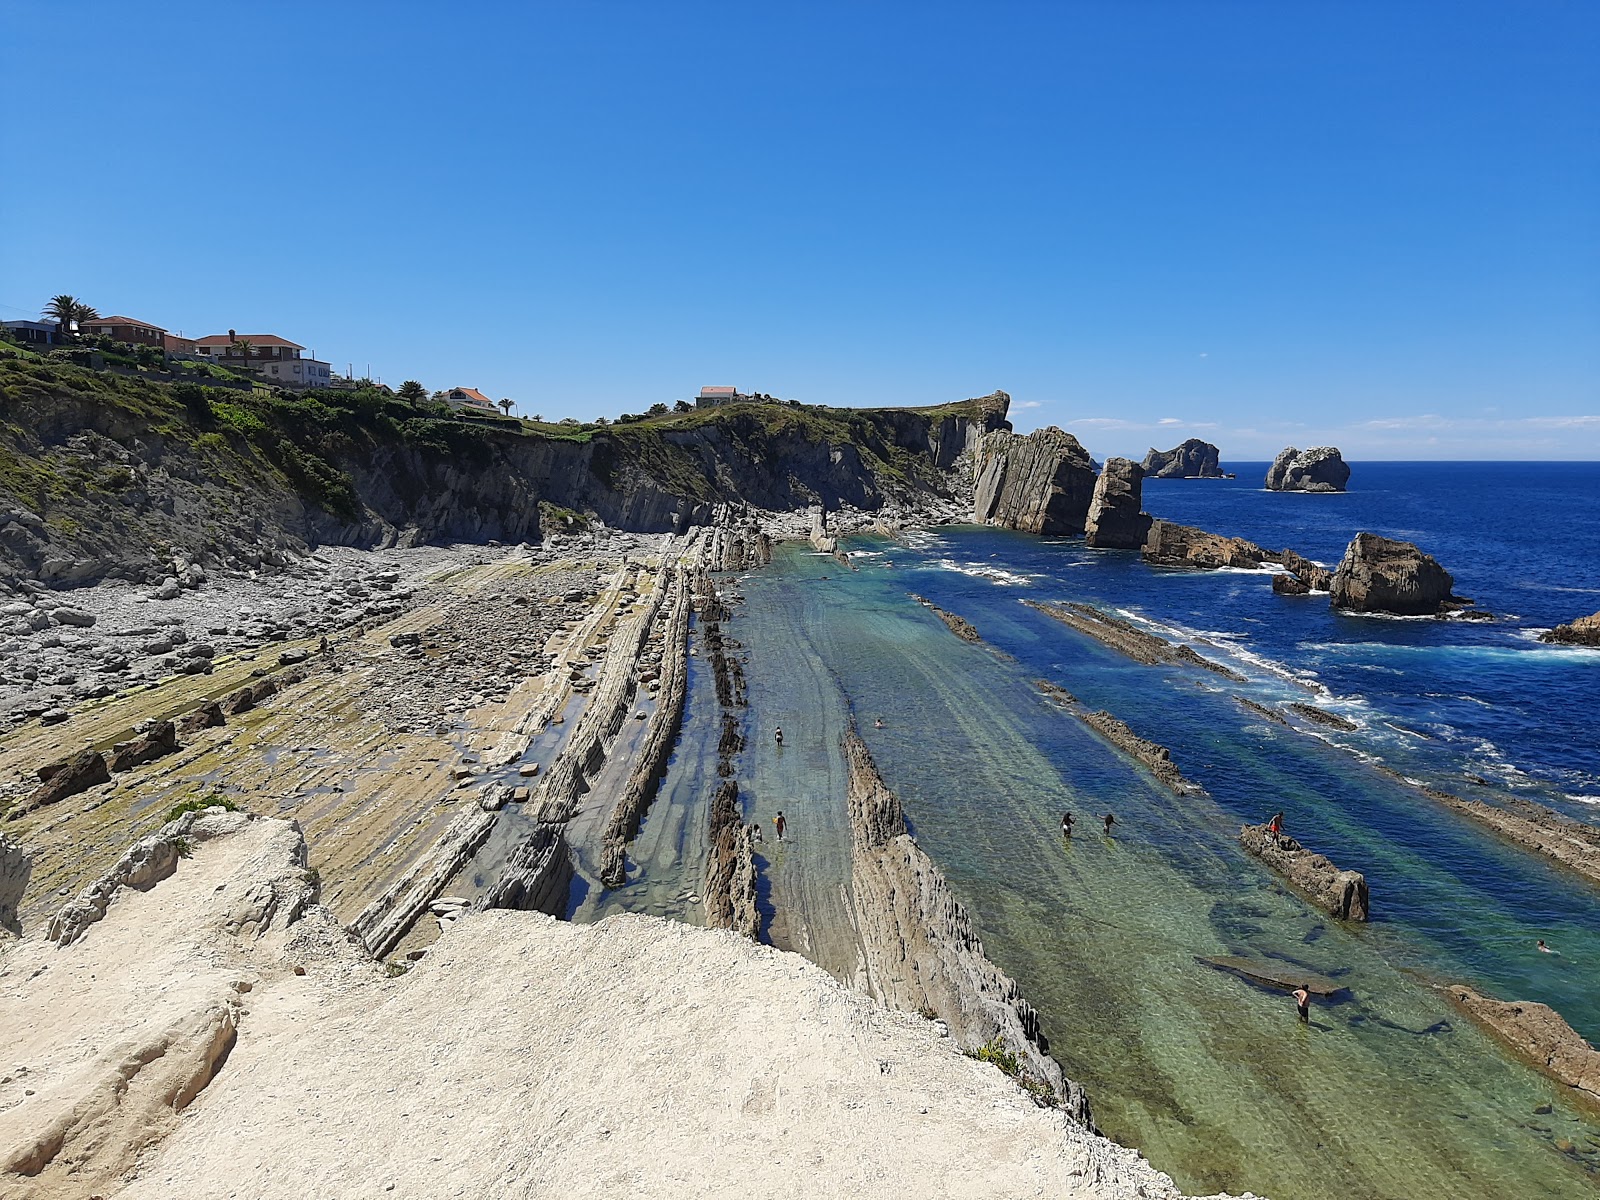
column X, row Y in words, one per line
column 1041, row 483
column 1585, row 631
column 1303, row 577
column 1320, row 469
column 1115, row 520
column 1342, row 894
column 1170, row 545
column 1192, row 460
column 1539, row 1034
column 1378, row 574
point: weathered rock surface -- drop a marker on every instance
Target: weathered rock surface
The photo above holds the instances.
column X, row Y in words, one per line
column 919, row 950
column 729, row 892
column 1170, row 545
column 1194, row 459
column 1041, row 483
column 1572, row 844
column 1342, row 894
column 1312, row 577
column 160, row 739
column 16, row 865
column 1137, row 644
column 960, row 626
column 1153, row 755
column 1378, row 574
column 1539, row 1034
column 537, row 876
column 1320, row 469
column 1115, row 520
column 1585, row 631
column 68, row 777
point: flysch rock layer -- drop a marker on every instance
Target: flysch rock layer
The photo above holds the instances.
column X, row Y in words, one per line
column 16, row 866
column 1171, row 545
column 1320, row 469
column 1379, row 574
column 1194, row 459
column 1115, row 521
column 1040, row 483
column 1342, row 894
column 172, row 1053
column 1585, row 631
column 1538, row 1034
column 919, row 952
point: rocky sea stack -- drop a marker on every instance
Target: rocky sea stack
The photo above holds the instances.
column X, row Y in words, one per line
column 1585, row 631
column 1320, row 469
column 1115, row 520
column 1378, row 574
column 1041, row 483
column 1192, row 460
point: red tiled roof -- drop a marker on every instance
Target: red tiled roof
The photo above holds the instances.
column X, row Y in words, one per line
column 255, row 339
column 719, row 391
column 124, row 321
column 461, row 393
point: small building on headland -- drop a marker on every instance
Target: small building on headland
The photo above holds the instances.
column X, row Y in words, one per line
column 275, row 359
column 470, row 400
column 31, row 333
column 124, row 329
column 710, row 397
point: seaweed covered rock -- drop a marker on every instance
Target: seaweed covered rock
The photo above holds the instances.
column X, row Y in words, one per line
column 1379, row 574
column 1192, row 460
column 1115, row 520
column 1320, row 469
column 1040, row 483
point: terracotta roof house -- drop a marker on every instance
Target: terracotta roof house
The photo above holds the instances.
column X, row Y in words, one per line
column 124, row 329
column 275, row 359
column 470, row 399
column 710, row 397
column 184, row 347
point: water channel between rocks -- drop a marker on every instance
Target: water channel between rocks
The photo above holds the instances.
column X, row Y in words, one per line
column 1388, row 1093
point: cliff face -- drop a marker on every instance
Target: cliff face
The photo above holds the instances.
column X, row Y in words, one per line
column 1115, row 520
column 1041, row 483
column 102, row 475
column 1378, row 574
column 1320, row 469
column 1192, row 460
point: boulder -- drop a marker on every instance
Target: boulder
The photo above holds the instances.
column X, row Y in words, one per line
column 68, row 777
column 1342, row 894
column 161, row 738
column 1585, row 631
column 1173, row 545
column 1192, row 460
column 1114, row 520
column 1316, row 579
column 1041, row 483
column 1290, row 585
column 15, row 867
column 1320, row 469
column 203, row 716
column 168, row 590
column 1379, row 574
column 73, row 616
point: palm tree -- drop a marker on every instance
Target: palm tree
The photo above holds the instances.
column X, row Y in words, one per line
column 508, row 405
column 412, row 391
column 243, row 347
column 64, row 310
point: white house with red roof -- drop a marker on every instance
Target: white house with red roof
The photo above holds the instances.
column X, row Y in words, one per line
column 275, row 359
column 470, row 400
column 710, row 397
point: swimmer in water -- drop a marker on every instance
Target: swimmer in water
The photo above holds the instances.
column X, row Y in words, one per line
column 1543, row 949
column 877, row 723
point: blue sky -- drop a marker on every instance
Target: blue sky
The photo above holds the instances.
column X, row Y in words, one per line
column 1376, row 224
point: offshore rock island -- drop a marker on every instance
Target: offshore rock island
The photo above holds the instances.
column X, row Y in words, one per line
column 356, row 754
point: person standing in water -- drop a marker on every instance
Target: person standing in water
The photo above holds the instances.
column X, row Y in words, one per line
column 778, row 821
column 1066, row 824
column 1110, row 821
column 1302, row 1004
column 777, row 735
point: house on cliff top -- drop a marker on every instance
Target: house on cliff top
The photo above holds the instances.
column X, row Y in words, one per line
column 275, row 359
column 469, row 400
column 125, row 329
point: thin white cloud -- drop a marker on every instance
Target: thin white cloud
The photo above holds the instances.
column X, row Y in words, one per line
column 1030, row 404
column 1169, row 421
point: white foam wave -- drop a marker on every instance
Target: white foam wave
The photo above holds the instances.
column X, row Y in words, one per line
column 1582, row 799
column 993, row 574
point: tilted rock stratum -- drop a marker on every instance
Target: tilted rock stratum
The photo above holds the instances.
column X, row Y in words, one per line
column 1379, row 574
column 1585, row 631
column 1341, row 894
column 1320, row 469
column 1041, row 483
column 1192, row 460
column 1115, row 518
column 1539, row 1034
column 1171, row 545
column 522, row 1057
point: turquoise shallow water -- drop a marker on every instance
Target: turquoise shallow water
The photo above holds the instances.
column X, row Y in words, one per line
column 1387, row 1094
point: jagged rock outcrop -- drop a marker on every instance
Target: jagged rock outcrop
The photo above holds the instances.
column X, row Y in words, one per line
column 1156, row 757
column 537, row 876
column 1115, row 520
column 1585, row 631
column 158, row 740
column 1379, row 574
column 16, row 865
column 1041, row 483
column 1342, row 894
column 1192, row 460
column 71, row 775
column 1539, row 1034
column 960, row 626
column 1170, row 545
column 1320, row 469
column 1130, row 640
column 729, row 893
column 919, row 952
column 1303, row 578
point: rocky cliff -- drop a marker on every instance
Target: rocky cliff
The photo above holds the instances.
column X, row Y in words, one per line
column 1192, row 460
column 1320, row 469
column 107, row 476
column 1379, row 574
column 1115, row 520
column 1041, row 483
column 1585, row 631
column 1171, row 545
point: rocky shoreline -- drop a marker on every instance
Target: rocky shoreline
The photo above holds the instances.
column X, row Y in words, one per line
column 1339, row 893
